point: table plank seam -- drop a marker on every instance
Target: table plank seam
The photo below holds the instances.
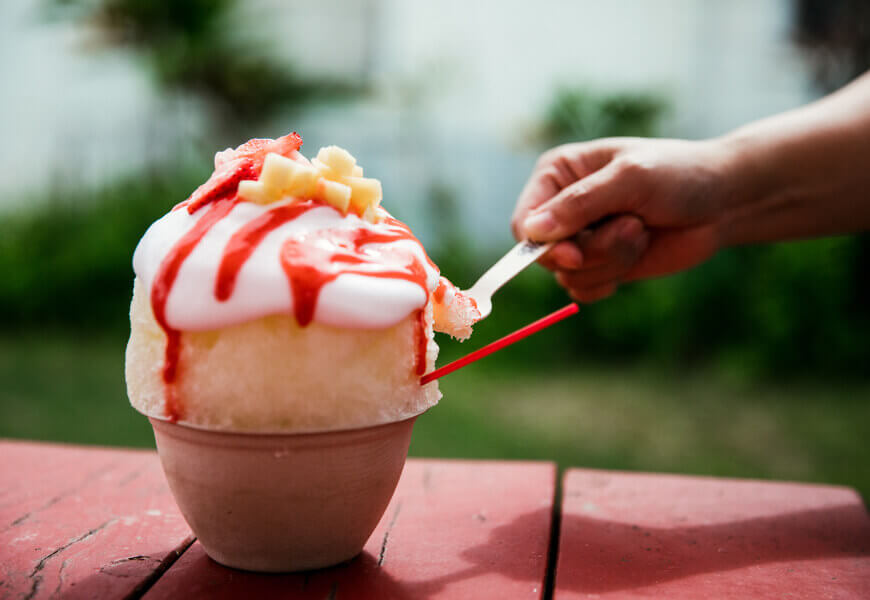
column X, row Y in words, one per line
column 146, row 584
column 549, row 587
column 383, row 553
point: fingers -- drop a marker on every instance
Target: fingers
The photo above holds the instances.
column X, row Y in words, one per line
column 538, row 189
column 609, row 254
column 563, row 173
column 593, row 294
column 619, row 243
column 563, row 256
column 674, row 251
column 556, row 170
column 610, row 190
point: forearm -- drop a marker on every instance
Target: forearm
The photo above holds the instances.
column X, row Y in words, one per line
column 801, row 174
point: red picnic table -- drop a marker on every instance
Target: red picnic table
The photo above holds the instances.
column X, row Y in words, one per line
column 84, row 522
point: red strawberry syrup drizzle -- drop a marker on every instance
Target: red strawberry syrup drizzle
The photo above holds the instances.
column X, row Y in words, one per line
column 245, row 241
column 162, row 286
column 308, row 267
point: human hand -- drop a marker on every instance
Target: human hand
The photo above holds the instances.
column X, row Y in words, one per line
column 625, row 208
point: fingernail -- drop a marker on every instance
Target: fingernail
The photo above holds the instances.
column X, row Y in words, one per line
column 539, row 225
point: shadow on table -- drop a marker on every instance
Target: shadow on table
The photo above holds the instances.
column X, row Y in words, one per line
column 363, row 578
column 195, row 575
column 599, row 556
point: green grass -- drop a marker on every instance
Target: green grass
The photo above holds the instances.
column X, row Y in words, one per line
column 638, row 419
column 68, row 389
column 56, row 387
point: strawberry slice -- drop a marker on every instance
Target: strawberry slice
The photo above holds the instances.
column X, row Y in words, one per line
column 243, row 163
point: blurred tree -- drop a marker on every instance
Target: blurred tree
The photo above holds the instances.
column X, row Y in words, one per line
column 836, row 37
column 451, row 240
column 67, row 262
column 576, row 114
column 198, row 48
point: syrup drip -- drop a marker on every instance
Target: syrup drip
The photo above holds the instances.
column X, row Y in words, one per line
column 307, row 279
column 309, row 268
column 163, row 282
column 243, row 243
column 309, row 262
column 313, row 260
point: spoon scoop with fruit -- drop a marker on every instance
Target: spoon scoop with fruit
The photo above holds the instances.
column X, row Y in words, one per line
column 519, row 257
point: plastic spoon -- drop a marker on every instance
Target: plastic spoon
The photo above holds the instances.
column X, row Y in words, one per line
column 519, row 257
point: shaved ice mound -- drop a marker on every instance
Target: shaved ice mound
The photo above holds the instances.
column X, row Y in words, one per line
column 271, row 375
column 282, row 298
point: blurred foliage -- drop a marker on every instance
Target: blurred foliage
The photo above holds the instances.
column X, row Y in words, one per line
column 576, row 114
column 67, row 261
column 836, row 37
column 195, row 47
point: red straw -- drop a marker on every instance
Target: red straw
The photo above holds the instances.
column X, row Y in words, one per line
column 499, row 344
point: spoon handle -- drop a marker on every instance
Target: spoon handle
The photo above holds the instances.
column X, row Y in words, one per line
column 508, row 266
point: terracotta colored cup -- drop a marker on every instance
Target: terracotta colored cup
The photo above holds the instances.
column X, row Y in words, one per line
column 282, row 502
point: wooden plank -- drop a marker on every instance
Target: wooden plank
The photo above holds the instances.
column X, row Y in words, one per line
column 82, row 522
column 627, row 535
column 454, row 529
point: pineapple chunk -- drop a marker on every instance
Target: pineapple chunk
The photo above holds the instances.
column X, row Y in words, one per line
column 366, row 192
column 335, row 194
column 303, row 182
column 338, row 159
column 278, row 172
column 333, row 177
column 323, row 169
column 255, row 191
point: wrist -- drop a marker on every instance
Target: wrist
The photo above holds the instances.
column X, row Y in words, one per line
column 744, row 184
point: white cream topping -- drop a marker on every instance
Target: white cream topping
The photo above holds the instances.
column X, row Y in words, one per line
column 262, row 287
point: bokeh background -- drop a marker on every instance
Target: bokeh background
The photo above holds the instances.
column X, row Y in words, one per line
column 753, row 365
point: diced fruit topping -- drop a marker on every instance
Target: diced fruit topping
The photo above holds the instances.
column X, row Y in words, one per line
column 254, row 191
column 277, row 172
column 243, row 163
column 333, row 177
column 338, row 159
column 335, row 194
column 366, row 193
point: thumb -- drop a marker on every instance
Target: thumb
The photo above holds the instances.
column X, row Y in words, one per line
column 597, row 195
